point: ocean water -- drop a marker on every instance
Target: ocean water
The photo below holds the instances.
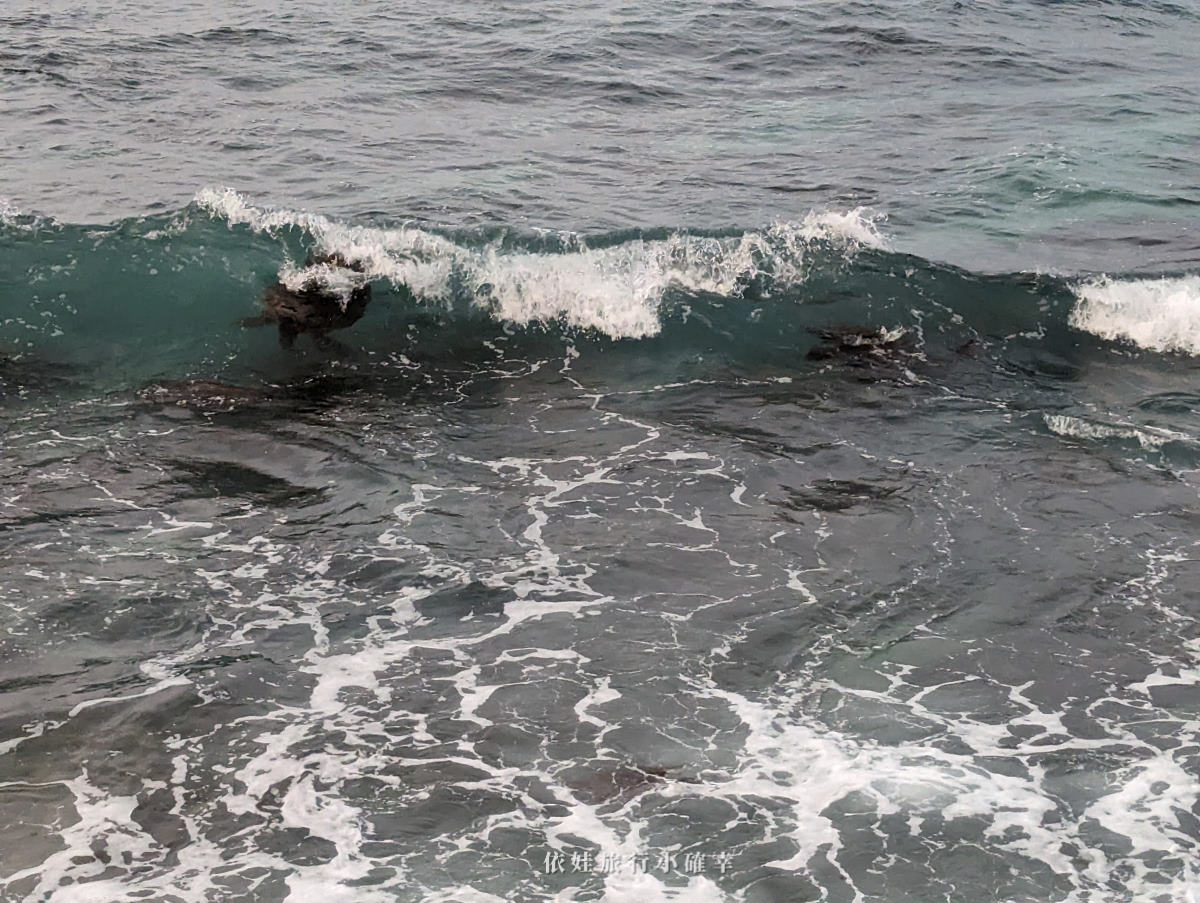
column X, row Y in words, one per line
column 767, row 469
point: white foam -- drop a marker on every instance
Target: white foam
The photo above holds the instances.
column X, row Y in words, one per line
column 857, row 227
column 1155, row 314
column 341, row 281
column 615, row 290
column 597, row 696
column 103, row 820
column 640, row 887
column 1149, row 438
column 14, row 218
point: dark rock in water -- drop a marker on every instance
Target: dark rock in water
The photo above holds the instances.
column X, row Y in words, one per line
column 837, row 495
column 228, row 479
column 314, row 309
column 202, row 394
column 23, row 373
column 305, row 393
column 860, row 343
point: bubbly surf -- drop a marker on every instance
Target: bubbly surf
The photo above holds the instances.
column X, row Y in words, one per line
column 764, row 468
column 1158, row 314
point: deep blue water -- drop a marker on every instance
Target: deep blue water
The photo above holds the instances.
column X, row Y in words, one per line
column 766, row 468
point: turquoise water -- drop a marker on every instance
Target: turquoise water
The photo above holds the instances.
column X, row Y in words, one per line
column 766, row 469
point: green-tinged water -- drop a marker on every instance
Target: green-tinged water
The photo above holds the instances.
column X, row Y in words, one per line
column 766, row 468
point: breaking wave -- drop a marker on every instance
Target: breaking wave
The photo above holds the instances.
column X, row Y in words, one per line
column 1160, row 314
column 161, row 296
column 615, row 289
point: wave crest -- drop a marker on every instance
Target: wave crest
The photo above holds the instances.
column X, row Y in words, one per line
column 1156, row 314
column 12, row 217
column 615, row 290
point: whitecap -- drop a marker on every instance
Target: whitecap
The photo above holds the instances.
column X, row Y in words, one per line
column 615, row 290
column 1156, row 314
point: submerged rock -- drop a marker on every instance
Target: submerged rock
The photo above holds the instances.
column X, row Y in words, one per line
column 202, row 394
column 24, row 373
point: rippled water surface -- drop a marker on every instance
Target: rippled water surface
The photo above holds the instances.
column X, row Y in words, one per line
column 1002, row 135
column 766, row 469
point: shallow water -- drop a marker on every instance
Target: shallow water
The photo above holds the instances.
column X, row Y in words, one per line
column 767, row 468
